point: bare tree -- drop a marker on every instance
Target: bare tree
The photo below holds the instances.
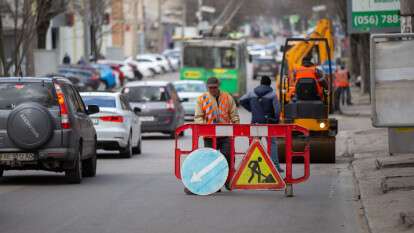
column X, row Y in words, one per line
column 99, row 17
column 95, row 13
column 24, row 19
column 22, row 22
column 51, row 8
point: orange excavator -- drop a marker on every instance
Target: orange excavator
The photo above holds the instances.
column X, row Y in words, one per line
column 306, row 91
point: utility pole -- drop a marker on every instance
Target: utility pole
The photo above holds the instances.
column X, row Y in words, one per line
column 184, row 19
column 160, row 27
column 135, row 26
column 407, row 13
column 141, row 20
column 86, row 31
column 199, row 13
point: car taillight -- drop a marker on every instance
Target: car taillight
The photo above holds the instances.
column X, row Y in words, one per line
column 118, row 119
column 64, row 113
column 95, row 77
column 170, row 105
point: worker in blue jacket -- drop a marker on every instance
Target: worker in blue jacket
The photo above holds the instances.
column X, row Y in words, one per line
column 262, row 102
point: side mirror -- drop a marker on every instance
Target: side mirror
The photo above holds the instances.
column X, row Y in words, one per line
column 250, row 58
column 137, row 110
column 92, row 109
column 184, row 100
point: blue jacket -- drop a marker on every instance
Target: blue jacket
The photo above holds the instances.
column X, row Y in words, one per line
column 262, row 102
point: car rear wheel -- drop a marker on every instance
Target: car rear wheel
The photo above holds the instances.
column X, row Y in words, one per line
column 153, row 72
column 89, row 165
column 127, row 151
column 74, row 175
column 137, row 149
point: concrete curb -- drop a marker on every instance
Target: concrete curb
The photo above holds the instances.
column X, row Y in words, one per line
column 381, row 210
column 358, row 191
column 361, row 197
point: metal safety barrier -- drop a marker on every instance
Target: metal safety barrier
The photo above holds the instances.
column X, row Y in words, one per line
column 251, row 131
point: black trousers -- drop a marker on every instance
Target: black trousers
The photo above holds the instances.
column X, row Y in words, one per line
column 342, row 95
column 223, row 145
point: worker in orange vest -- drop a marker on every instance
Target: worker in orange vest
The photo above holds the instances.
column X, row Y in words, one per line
column 342, row 87
column 214, row 107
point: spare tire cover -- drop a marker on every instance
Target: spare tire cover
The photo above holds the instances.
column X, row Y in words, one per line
column 29, row 125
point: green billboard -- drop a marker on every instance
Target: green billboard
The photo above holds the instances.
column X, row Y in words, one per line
column 365, row 16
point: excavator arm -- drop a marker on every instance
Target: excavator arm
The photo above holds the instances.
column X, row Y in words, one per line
column 300, row 50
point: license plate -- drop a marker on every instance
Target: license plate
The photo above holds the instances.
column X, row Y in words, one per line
column 147, row 118
column 95, row 121
column 265, row 68
column 17, row 156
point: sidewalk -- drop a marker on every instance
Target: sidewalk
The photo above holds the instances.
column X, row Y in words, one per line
column 385, row 183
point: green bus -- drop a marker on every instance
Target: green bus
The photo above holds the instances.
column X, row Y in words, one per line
column 224, row 59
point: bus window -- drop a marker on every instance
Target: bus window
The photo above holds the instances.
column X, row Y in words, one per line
column 228, row 58
column 198, row 57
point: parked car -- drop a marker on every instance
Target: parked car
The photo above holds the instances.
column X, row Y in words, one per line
column 107, row 75
column 157, row 59
column 161, row 110
column 265, row 66
column 130, row 71
column 256, row 51
column 44, row 125
column 174, row 57
column 189, row 91
column 117, row 125
column 120, row 74
column 146, row 67
column 83, row 79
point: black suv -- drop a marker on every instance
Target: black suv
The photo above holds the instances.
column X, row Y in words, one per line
column 44, row 125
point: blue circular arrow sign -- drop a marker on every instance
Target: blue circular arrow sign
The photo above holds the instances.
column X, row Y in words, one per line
column 204, row 171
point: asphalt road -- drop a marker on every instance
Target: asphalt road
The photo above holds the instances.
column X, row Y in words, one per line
column 142, row 195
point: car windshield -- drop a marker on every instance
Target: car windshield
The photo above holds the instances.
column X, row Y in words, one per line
column 190, row 87
column 145, row 94
column 143, row 60
column 101, row 101
column 199, row 57
column 210, row 57
column 13, row 94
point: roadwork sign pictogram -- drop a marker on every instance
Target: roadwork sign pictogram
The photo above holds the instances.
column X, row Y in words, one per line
column 257, row 171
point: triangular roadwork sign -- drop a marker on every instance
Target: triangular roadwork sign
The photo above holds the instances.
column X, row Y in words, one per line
column 257, row 171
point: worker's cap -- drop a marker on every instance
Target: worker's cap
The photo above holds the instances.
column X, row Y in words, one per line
column 213, row 81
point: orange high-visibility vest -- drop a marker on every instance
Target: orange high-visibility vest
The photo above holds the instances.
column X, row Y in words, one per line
column 305, row 72
column 216, row 112
column 341, row 78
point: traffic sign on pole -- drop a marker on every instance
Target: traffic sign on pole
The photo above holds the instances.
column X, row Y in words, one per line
column 257, row 171
column 204, row 171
